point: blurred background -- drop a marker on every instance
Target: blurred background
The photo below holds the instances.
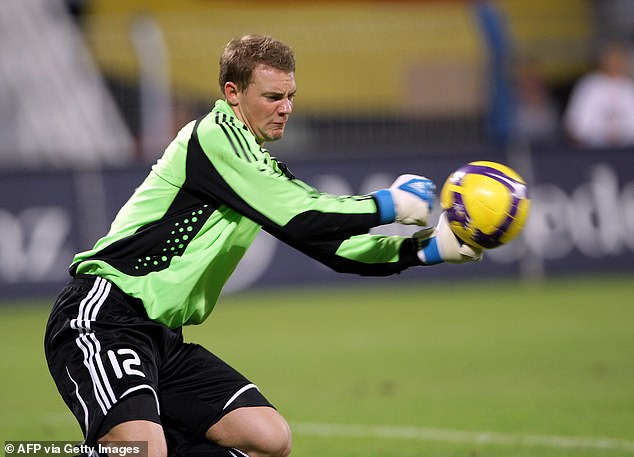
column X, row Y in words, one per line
column 91, row 91
column 527, row 353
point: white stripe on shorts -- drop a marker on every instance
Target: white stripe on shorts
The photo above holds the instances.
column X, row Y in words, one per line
column 81, row 400
column 238, row 393
column 144, row 386
column 89, row 344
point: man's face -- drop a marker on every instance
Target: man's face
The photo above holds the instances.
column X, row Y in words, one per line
column 267, row 102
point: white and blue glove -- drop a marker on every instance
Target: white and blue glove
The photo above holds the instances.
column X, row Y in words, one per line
column 439, row 244
column 409, row 200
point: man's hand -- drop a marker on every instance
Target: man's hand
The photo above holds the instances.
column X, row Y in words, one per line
column 408, row 201
column 439, row 244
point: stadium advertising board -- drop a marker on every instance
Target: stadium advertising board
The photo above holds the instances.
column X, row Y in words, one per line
column 581, row 221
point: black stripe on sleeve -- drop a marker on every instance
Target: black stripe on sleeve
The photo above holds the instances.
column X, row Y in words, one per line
column 325, row 253
column 205, row 181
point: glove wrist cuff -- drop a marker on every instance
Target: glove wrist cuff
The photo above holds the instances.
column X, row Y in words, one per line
column 385, row 205
column 429, row 253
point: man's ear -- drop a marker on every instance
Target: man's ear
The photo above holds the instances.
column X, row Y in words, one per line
column 231, row 93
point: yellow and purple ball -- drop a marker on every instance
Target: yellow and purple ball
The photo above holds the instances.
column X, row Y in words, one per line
column 487, row 203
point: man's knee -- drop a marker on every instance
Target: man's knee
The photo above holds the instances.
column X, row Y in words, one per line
column 276, row 442
column 138, row 431
column 258, row 431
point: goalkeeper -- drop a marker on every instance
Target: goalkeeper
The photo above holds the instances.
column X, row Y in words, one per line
column 113, row 342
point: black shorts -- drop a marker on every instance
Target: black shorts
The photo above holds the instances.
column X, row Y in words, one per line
column 112, row 364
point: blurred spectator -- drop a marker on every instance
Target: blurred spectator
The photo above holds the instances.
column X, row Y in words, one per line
column 600, row 111
column 536, row 115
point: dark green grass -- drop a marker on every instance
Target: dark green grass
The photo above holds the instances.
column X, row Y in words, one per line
column 554, row 358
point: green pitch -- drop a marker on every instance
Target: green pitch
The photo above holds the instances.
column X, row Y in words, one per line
column 478, row 369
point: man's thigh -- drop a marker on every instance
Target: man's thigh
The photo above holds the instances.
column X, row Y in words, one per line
column 197, row 390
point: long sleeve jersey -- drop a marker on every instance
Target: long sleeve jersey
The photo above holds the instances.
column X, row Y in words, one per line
column 179, row 237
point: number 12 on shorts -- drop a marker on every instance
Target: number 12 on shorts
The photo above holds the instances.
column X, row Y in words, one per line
column 129, row 359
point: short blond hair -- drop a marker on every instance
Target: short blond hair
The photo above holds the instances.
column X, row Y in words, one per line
column 241, row 55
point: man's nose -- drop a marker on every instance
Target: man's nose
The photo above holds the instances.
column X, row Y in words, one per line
column 286, row 106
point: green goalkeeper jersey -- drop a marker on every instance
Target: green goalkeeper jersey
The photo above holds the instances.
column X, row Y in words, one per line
column 179, row 237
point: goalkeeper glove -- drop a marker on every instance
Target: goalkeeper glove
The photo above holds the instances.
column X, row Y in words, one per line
column 408, row 201
column 439, row 244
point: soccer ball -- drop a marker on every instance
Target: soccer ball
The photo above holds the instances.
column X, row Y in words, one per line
column 486, row 203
